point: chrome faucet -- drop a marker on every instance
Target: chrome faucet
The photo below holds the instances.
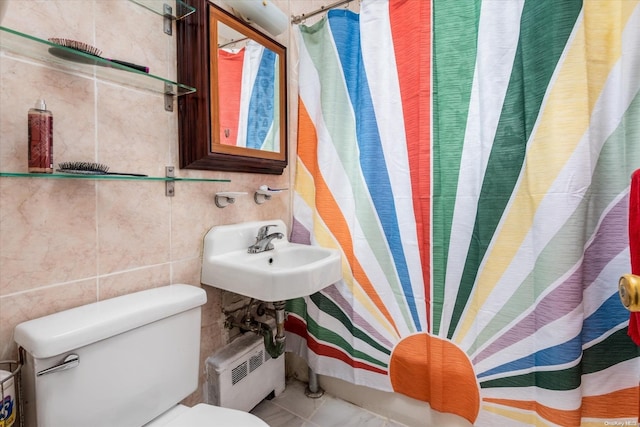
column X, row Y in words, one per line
column 263, row 240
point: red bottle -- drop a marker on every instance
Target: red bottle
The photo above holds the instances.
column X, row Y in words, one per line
column 40, row 138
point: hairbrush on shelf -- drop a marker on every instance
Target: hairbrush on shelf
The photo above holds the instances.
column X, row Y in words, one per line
column 89, row 168
column 89, row 50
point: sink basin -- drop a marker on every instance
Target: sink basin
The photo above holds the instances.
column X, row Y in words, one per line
column 290, row 270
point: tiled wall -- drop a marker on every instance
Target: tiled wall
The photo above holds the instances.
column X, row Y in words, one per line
column 65, row 243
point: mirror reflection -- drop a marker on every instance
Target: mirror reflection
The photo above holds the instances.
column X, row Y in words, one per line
column 248, row 92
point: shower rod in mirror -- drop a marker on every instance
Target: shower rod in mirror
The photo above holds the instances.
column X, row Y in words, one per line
column 299, row 18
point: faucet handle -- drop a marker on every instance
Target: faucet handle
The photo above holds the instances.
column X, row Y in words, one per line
column 264, row 230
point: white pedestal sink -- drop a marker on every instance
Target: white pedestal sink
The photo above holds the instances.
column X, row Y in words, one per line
column 289, row 270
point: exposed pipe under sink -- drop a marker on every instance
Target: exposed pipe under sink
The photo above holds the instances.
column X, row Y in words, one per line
column 273, row 345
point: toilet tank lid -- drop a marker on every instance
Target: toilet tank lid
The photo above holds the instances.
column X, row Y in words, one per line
column 67, row 330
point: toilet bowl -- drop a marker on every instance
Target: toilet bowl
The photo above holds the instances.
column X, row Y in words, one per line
column 126, row 362
column 203, row 415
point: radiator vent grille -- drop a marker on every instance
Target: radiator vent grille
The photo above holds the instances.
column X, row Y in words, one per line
column 241, row 374
column 255, row 361
column 238, row 373
column 246, row 367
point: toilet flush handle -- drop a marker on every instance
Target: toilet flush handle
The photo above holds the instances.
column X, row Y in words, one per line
column 71, row 361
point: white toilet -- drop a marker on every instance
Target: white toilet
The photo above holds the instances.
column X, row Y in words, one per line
column 125, row 361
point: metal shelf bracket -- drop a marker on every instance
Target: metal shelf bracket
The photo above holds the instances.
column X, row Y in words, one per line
column 168, row 97
column 167, row 20
column 170, row 186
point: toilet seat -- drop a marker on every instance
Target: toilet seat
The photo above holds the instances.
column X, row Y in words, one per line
column 203, row 415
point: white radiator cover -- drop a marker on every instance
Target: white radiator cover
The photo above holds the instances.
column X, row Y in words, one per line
column 242, row 374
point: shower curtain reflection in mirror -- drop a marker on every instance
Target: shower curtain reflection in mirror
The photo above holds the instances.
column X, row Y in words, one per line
column 248, row 94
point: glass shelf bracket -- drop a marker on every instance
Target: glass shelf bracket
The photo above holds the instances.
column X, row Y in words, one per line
column 170, row 10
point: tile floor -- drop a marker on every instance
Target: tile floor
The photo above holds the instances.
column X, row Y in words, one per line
column 293, row 409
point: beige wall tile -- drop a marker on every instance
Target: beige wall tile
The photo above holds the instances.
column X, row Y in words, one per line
column 126, row 282
column 133, row 225
column 20, row 307
column 213, row 315
column 132, row 131
column 73, row 117
column 144, row 42
column 47, row 232
column 186, row 271
column 72, row 19
column 193, row 213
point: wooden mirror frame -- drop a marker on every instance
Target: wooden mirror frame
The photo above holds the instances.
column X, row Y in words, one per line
column 197, row 134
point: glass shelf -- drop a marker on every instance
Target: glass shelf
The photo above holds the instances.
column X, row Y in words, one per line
column 73, row 60
column 179, row 9
column 108, row 177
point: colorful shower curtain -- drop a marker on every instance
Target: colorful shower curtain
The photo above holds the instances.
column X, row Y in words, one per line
column 471, row 161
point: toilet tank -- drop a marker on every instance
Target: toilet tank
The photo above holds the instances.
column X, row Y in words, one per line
column 129, row 359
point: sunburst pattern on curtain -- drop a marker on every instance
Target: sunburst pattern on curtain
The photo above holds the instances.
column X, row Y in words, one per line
column 471, row 161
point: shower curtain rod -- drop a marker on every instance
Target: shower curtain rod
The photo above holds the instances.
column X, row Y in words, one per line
column 220, row 46
column 299, row 18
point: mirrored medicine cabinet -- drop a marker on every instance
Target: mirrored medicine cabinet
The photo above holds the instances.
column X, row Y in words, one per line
column 237, row 119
